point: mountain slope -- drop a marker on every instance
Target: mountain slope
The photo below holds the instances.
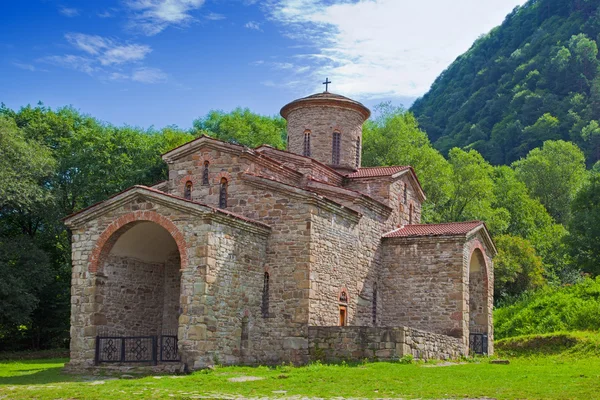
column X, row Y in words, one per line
column 536, row 77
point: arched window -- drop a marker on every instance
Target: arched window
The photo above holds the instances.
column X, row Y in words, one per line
column 223, row 193
column 187, row 191
column 335, row 148
column 343, row 307
column 265, row 296
column 306, row 149
column 375, row 304
column 411, row 210
column 405, row 193
column 205, row 173
column 357, row 152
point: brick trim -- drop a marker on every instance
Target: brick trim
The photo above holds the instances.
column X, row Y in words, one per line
column 204, row 157
column 107, row 239
column 223, row 174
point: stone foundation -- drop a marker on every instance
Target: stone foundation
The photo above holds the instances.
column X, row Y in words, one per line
column 333, row 343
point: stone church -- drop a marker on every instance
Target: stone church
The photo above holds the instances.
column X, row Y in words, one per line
column 264, row 256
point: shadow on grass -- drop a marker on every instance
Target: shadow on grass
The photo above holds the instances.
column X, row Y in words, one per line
column 34, row 372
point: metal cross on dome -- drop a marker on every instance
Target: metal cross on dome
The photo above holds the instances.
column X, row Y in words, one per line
column 326, row 83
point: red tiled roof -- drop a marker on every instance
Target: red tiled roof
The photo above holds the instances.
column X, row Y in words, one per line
column 369, row 172
column 449, row 228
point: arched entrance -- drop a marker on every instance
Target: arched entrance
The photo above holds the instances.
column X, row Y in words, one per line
column 137, row 294
column 478, row 302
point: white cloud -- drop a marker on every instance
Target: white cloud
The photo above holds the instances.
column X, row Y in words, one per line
column 107, row 58
column 107, row 51
column 27, row 67
column 69, row 12
column 148, row 75
column 153, row 16
column 71, row 61
column 214, row 16
column 381, row 48
column 106, row 14
column 253, row 25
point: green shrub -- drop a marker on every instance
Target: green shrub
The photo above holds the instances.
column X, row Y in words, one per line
column 551, row 309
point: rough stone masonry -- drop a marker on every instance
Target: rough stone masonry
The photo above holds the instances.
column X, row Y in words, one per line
column 264, row 256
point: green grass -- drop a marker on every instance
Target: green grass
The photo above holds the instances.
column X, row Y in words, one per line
column 560, row 375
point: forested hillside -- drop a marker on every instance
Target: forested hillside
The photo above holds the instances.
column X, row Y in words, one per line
column 534, row 78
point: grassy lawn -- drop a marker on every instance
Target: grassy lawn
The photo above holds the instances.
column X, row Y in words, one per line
column 560, row 374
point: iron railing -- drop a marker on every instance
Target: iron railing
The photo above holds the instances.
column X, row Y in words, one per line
column 136, row 349
column 478, row 343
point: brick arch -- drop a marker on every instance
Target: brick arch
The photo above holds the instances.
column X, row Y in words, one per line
column 223, row 174
column 476, row 244
column 107, row 240
column 204, row 157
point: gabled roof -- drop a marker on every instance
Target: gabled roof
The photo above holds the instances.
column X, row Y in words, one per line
column 116, row 200
column 466, row 228
column 371, row 172
column 393, row 171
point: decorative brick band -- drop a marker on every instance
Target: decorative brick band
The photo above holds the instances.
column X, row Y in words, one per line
column 108, row 238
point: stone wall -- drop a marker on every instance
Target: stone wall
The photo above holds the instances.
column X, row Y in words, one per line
column 322, row 121
column 131, row 292
column 345, row 256
column 391, row 192
column 172, row 292
column 422, row 284
column 333, row 344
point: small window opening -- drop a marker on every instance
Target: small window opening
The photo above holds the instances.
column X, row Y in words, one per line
column 410, row 214
column 223, row 194
column 375, row 304
column 405, row 193
column 357, row 152
column 335, row 151
column 187, row 191
column 205, row 173
column 265, row 296
column 306, row 149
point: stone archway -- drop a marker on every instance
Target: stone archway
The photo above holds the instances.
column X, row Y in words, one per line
column 138, row 278
column 478, row 293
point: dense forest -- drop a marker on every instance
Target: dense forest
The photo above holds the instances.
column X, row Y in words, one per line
column 516, row 143
column 534, row 78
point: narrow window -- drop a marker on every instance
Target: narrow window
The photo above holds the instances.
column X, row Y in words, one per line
column 343, row 300
column 306, row 150
column 343, row 315
column 265, row 296
column 205, row 173
column 223, row 194
column 335, row 151
column 405, row 193
column 244, row 332
column 410, row 214
column 375, row 304
column 187, row 191
column 357, row 152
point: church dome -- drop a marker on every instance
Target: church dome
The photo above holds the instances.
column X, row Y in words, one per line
column 325, row 98
column 327, row 127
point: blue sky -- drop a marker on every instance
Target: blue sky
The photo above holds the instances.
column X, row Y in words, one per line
column 163, row 62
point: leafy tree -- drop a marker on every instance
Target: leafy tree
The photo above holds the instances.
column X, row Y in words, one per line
column 393, row 137
column 517, row 267
column 24, row 165
column 584, row 227
column 243, row 127
column 20, row 295
column 553, row 175
column 472, row 191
